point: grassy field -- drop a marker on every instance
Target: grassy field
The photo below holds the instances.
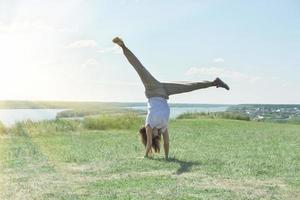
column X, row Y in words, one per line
column 214, row 115
column 210, row 159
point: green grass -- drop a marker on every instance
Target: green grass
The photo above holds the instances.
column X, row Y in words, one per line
column 57, row 126
column 294, row 120
column 291, row 120
column 120, row 121
column 2, row 128
column 214, row 115
column 210, row 159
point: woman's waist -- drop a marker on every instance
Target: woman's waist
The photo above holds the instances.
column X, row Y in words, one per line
column 158, row 108
column 158, row 103
column 157, row 99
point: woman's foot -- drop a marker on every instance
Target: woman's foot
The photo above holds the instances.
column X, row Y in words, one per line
column 118, row 41
column 220, row 83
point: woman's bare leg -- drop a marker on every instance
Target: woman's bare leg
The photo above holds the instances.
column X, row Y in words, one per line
column 177, row 88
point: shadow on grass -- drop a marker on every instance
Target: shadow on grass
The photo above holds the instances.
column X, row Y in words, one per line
column 184, row 166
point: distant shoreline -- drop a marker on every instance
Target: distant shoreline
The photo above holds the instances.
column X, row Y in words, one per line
column 24, row 104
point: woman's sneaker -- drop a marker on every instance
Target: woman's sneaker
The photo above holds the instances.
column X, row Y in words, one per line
column 220, row 83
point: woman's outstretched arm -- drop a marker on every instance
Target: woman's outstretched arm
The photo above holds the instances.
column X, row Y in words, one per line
column 166, row 143
column 149, row 140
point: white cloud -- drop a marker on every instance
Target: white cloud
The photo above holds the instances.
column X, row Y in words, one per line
column 91, row 62
column 213, row 72
column 113, row 49
column 23, row 26
column 82, row 44
column 219, row 60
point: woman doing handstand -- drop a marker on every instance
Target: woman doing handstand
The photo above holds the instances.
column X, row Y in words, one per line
column 158, row 109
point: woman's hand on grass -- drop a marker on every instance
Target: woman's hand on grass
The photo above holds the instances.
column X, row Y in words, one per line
column 148, row 157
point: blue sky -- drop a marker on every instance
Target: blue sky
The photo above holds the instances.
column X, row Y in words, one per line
column 62, row 50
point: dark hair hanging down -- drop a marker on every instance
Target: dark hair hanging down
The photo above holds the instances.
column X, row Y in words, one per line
column 155, row 139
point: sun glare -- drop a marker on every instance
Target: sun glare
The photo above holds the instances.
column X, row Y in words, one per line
column 19, row 57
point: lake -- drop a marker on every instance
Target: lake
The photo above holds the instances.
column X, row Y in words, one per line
column 177, row 109
column 10, row 116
